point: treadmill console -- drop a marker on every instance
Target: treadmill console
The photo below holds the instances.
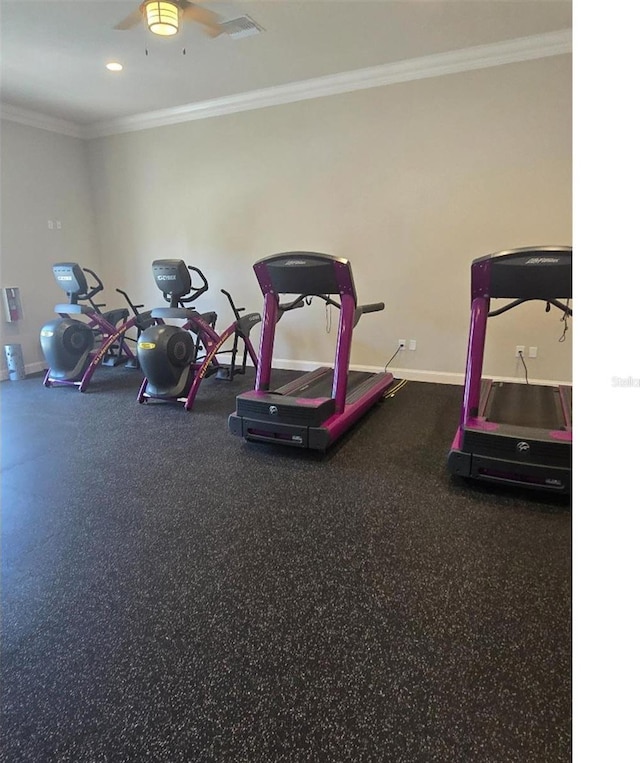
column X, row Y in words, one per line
column 530, row 273
column 304, row 273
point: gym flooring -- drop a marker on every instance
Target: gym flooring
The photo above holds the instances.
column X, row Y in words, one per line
column 173, row 593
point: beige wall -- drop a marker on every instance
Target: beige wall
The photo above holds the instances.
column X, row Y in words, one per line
column 44, row 177
column 409, row 181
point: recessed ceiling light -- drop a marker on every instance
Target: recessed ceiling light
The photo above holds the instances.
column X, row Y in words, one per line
column 114, row 66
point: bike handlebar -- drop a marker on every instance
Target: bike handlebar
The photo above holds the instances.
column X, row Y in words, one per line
column 236, row 310
column 200, row 289
column 135, row 308
column 197, row 290
column 94, row 289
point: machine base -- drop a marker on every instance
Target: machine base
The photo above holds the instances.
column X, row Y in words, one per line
column 540, row 477
column 294, row 435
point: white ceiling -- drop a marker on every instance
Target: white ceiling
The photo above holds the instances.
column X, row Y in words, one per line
column 54, row 52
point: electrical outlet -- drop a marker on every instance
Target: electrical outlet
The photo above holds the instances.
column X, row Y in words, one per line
column 402, row 343
column 412, row 344
column 533, row 352
column 519, row 349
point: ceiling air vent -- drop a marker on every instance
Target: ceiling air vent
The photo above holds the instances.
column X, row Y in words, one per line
column 244, row 26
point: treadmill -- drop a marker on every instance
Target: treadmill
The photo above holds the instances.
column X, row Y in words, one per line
column 315, row 409
column 515, row 433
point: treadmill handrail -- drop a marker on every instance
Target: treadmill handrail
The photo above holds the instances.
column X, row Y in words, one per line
column 300, row 300
column 372, row 307
column 295, row 303
column 556, row 303
column 286, row 306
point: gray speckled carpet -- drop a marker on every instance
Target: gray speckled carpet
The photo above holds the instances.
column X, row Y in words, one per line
column 172, row 593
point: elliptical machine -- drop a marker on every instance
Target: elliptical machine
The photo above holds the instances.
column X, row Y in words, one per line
column 173, row 363
column 72, row 348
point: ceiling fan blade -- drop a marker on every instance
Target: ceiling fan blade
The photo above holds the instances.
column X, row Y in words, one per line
column 131, row 20
column 207, row 18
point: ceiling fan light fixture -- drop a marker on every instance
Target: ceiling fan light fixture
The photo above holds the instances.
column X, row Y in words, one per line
column 162, row 17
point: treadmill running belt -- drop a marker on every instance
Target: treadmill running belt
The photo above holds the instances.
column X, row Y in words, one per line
column 526, row 405
column 323, row 386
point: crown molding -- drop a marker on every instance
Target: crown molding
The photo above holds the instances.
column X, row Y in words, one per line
column 437, row 65
column 41, row 121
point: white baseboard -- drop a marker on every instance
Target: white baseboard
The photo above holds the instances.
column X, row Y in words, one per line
column 30, row 368
column 411, row 374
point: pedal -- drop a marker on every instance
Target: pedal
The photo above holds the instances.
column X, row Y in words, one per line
column 113, row 360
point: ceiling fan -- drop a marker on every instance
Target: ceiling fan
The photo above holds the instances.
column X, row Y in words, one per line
column 163, row 17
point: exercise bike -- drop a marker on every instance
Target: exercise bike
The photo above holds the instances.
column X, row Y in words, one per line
column 73, row 349
column 173, row 362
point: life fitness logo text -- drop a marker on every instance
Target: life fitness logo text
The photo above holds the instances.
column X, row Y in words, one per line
column 542, row 261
